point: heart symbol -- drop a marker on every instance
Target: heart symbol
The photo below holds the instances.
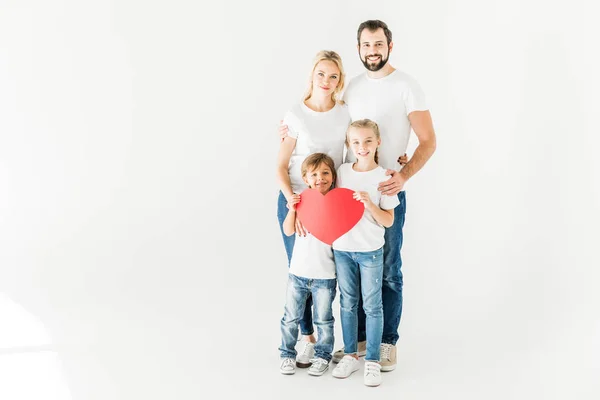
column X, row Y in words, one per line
column 329, row 217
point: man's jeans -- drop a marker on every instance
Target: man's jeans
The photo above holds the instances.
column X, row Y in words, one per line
column 306, row 322
column 392, row 279
column 359, row 277
column 323, row 293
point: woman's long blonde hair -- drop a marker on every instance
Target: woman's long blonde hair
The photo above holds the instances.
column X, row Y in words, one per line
column 327, row 55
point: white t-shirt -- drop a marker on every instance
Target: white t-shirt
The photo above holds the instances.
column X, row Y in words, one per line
column 315, row 132
column 367, row 234
column 387, row 101
column 312, row 258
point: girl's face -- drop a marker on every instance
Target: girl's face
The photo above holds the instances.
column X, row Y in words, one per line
column 320, row 178
column 326, row 78
column 363, row 143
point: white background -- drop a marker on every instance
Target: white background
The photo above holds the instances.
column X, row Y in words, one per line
column 138, row 199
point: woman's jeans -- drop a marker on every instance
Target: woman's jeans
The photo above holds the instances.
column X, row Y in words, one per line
column 306, row 322
column 323, row 293
column 359, row 276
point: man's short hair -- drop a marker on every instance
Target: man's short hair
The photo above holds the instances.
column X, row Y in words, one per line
column 372, row 25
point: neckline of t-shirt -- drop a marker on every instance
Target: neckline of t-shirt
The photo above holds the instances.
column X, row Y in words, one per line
column 311, row 111
column 362, row 172
column 380, row 79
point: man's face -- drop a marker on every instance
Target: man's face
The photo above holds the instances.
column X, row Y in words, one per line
column 373, row 49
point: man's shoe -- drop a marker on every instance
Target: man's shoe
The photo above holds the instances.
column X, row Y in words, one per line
column 387, row 357
column 346, row 367
column 372, row 374
column 318, row 367
column 287, row 366
column 361, row 351
column 304, row 356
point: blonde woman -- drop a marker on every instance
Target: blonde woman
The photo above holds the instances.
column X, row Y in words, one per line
column 317, row 124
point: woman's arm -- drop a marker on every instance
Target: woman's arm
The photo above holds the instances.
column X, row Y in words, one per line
column 286, row 148
column 289, row 223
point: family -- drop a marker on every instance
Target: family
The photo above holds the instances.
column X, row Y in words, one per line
column 356, row 142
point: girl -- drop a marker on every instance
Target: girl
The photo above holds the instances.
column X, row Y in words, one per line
column 317, row 124
column 312, row 273
column 359, row 253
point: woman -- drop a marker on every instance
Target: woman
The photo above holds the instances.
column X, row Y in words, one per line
column 317, row 124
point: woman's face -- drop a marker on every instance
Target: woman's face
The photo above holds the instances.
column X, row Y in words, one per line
column 320, row 178
column 326, row 78
column 363, row 143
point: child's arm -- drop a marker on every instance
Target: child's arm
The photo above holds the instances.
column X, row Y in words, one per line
column 384, row 217
column 289, row 224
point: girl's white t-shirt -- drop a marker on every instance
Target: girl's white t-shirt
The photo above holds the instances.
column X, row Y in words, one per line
column 315, row 132
column 367, row 234
column 312, row 258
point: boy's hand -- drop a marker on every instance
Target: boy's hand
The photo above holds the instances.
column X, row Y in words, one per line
column 292, row 201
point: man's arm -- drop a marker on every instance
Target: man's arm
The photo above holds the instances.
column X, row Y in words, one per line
column 423, row 126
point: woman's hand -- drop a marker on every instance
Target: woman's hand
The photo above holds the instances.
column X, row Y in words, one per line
column 283, row 130
column 402, row 160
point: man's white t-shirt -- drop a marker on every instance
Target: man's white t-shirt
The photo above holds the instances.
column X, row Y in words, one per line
column 367, row 234
column 387, row 101
column 312, row 258
column 315, row 132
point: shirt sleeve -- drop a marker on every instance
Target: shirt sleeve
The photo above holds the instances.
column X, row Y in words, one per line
column 388, row 202
column 295, row 126
column 414, row 97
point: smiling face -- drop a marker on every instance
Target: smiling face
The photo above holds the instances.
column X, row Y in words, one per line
column 373, row 49
column 325, row 79
column 320, row 178
column 363, row 142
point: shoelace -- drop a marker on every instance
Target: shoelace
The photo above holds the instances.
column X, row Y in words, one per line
column 371, row 369
column 287, row 362
column 316, row 361
column 385, row 351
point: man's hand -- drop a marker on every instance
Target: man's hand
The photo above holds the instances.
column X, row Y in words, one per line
column 392, row 186
column 283, row 130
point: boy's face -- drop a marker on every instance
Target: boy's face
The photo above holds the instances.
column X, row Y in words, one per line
column 363, row 142
column 320, row 178
column 373, row 49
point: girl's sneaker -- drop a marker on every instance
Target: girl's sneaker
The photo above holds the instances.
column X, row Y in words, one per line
column 318, row 367
column 288, row 366
column 372, row 373
column 347, row 366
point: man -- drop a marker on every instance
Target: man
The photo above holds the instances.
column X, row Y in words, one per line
column 396, row 103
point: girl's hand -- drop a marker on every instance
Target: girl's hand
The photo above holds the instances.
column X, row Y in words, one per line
column 292, row 201
column 364, row 198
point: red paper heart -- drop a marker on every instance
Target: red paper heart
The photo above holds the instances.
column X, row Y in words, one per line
column 329, row 217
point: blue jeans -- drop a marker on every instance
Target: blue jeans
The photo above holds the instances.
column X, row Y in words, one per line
column 359, row 276
column 392, row 279
column 306, row 322
column 323, row 293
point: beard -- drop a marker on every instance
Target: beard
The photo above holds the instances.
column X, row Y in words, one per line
column 371, row 66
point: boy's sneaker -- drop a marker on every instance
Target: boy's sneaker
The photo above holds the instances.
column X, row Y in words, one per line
column 372, row 373
column 388, row 357
column 305, row 355
column 347, row 366
column 287, row 366
column 361, row 351
column 318, row 367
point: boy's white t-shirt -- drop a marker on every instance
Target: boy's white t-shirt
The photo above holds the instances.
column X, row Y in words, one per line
column 367, row 234
column 315, row 132
column 387, row 101
column 312, row 258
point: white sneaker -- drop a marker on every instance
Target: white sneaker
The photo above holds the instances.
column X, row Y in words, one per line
column 361, row 351
column 305, row 355
column 318, row 367
column 347, row 366
column 372, row 373
column 287, row 366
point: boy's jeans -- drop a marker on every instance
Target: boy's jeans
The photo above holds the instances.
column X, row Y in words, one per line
column 323, row 293
column 356, row 272
column 306, row 322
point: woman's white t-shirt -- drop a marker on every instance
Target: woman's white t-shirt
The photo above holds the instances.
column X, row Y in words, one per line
column 315, row 132
column 367, row 234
